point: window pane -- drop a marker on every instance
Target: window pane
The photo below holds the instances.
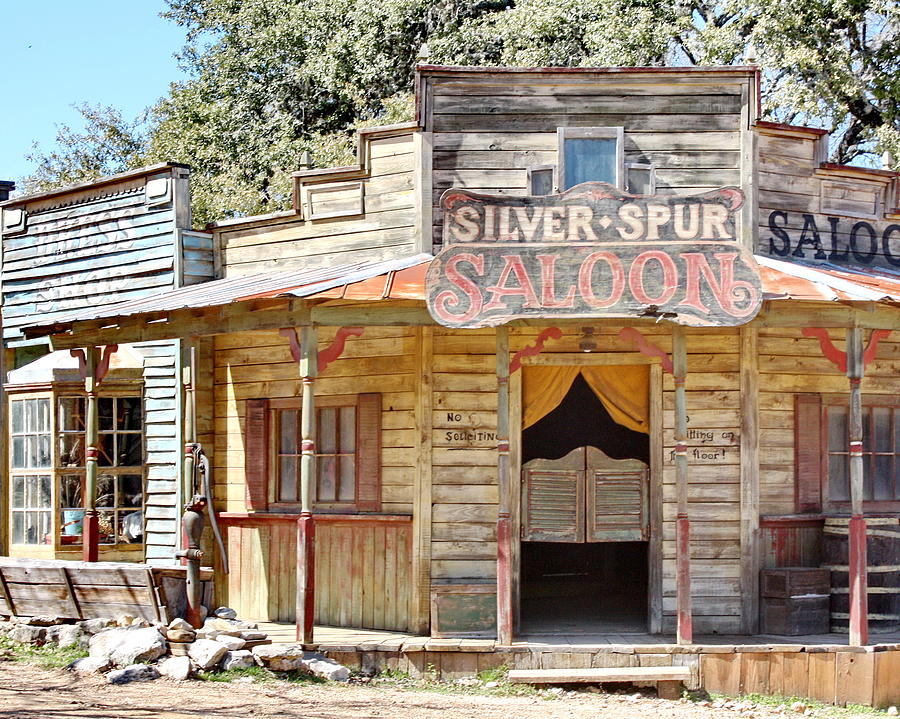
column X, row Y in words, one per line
column 42, row 412
column 131, row 490
column 106, row 490
column 348, row 429
column 18, row 494
column 71, row 450
column 31, row 451
column 838, row 480
column 18, row 452
column 30, row 491
column 18, row 416
column 326, row 469
column 30, row 415
column 837, row 429
column 70, row 491
column 44, row 451
column 107, row 522
column 639, row 180
column 43, row 492
column 590, row 160
column 347, row 491
column 33, row 534
column 18, row 528
column 867, row 430
column 71, row 414
column 107, row 450
column 287, row 443
column 129, row 412
column 131, row 450
column 288, row 479
column 327, row 439
column 131, row 527
column 881, row 420
column 883, row 481
column 105, row 411
column 542, row 182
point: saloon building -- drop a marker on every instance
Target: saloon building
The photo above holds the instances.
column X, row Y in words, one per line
column 491, row 400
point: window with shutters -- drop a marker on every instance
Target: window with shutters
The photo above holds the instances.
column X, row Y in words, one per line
column 348, row 444
column 823, row 459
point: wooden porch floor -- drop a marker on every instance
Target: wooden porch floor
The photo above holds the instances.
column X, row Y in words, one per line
column 341, row 639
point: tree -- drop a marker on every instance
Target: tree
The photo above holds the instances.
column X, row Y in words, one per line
column 270, row 79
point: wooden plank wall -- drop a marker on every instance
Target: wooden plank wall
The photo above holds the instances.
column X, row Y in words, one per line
column 258, row 364
column 386, row 230
column 790, row 363
column 362, row 570
column 488, row 130
column 812, row 197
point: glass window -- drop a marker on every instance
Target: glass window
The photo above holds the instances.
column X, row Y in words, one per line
column 591, row 154
column 31, row 505
column 540, row 181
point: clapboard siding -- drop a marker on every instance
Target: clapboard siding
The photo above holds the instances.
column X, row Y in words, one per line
column 488, row 130
column 377, row 205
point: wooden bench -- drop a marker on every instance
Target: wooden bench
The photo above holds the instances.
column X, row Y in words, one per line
column 85, row 590
column 667, row 679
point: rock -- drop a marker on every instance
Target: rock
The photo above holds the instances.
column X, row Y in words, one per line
column 128, row 645
column 491, row 685
column 175, row 668
column 124, row 620
column 240, row 659
column 253, row 636
column 206, row 653
column 225, row 613
column 228, row 625
column 95, row 626
column 231, row 643
column 798, row 707
column 90, row 665
column 45, row 621
column 28, row 634
column 179, row 649
column 892, row 711
column 178, row 635
column 279, row 657
column 321, row 666
column 180, row 624
column 204, row 612
column 133, row 673
column 71, row 635
column 140, row 622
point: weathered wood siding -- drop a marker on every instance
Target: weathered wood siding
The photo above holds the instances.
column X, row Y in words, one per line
column 818, row 213
column 258, row 364
column 363, row 214
column 489, row 129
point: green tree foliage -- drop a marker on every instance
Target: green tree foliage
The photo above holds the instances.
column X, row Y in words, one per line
column 270, row 79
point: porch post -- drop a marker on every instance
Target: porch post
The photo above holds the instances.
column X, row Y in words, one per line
column 682, row 526
column 859, row 620
column 306, row 530
column 504, row 529
column 91, row 531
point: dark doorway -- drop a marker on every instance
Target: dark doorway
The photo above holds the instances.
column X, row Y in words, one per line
column 588, row 587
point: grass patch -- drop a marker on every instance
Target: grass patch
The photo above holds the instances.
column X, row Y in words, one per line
column 257, row 674
column 49, row 656
column 473, row 686
column 850, row 711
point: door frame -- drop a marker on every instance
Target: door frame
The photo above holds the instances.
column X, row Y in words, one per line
column 655, row 543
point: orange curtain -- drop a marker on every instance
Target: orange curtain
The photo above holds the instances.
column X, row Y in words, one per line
column 624, row 391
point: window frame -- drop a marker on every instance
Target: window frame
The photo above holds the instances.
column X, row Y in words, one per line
column 273, row 491
column 590, row 133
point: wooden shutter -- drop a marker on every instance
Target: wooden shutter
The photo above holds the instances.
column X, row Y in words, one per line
column 808, row 452
column 553, row 499
column 368, row 452
column 256, row 454
column 616, row 498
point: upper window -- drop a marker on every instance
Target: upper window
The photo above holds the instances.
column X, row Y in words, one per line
column 591, row 154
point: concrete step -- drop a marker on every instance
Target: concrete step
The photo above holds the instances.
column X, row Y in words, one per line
column 668, row 679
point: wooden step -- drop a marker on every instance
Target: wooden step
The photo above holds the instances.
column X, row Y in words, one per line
column 667, row 679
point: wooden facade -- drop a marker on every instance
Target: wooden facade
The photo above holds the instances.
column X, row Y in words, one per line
column 417, row 510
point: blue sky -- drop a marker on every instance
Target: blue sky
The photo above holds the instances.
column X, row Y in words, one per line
column 56, row 53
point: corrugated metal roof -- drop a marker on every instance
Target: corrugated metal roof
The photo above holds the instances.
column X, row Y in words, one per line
column 402, row 278
column 405, row 279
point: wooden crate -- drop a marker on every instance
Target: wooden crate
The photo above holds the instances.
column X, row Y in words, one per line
column 795, row 616
column 464, row 610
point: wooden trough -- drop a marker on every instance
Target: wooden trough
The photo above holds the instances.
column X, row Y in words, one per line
column 83, row 590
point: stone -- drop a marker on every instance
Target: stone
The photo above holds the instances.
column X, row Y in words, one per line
column 231, row 643
column 140, row 622
column 95, row 626
column 225, row 613
column 228, row 625
column 128, row 645
column 71, row 635
column 892, row 711
column 325, row 668
column 180, row 624
column 179, row 649
column 90, row 665
column 206, row 653
column 253, row 636
column 240, row 659
column 133, row 673
column 27, row 634
column 204, row 612
column 124, row 620
column 279, row 657
column 45, row 621
column 181, row 635
column 175, row 668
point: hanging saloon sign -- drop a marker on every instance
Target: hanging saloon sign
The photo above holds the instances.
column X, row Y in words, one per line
column 593, row 251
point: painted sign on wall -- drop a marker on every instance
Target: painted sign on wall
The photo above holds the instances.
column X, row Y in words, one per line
column 593, row 251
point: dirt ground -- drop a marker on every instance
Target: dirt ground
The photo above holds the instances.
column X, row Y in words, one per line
column 28, row 692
